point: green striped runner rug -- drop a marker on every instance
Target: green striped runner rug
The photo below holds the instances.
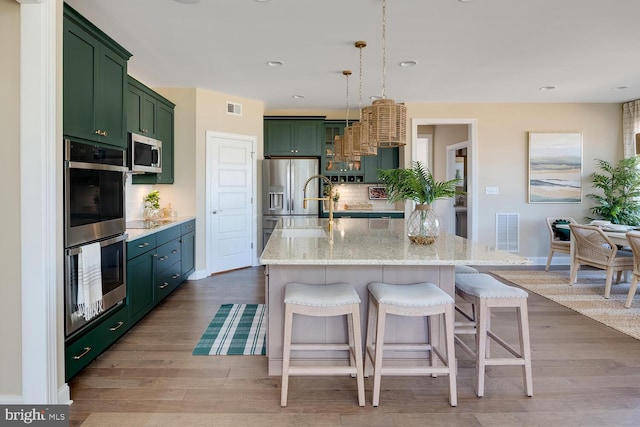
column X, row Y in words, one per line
column 236, row 329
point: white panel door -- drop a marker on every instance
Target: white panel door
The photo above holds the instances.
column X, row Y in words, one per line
column 230, row 191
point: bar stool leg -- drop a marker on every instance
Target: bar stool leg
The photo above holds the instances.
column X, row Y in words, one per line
column 525, row 347
column 286, row 354
column 434, row 337
column 356, row 345
column 368, row 348
column 481, row 328
column 379, row 350
column 451, row 357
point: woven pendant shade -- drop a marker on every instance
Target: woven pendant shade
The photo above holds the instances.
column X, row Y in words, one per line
column 338, row 155
column 388, row 123
column 361, row 132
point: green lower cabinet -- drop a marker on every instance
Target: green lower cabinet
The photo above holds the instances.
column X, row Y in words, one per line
column 81, row 352
column 140, row 284
column 188, row 247
column 167, row 281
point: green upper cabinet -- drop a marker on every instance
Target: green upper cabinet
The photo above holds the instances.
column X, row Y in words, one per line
column 94, row 83
column 141, row 112
column 289, row 136
column 387, row 158
column 150, row 114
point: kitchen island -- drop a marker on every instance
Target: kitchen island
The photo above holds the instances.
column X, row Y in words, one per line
column 358, row 252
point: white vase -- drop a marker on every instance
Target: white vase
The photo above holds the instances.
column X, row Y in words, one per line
column 423, row 226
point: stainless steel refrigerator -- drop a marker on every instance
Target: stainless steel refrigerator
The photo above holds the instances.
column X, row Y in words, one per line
column 282, row 191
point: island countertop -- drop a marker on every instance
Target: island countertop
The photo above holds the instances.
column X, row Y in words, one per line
column 374, row 241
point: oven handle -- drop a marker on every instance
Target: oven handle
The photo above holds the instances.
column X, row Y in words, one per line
column 96, row 166
column 103, row 243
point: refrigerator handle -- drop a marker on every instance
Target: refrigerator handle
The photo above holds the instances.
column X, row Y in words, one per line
column 275, row 200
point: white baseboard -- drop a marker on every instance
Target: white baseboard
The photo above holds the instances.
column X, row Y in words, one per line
column 10, row 399
column 558, row 259
column 64, row 395
column 198, row 274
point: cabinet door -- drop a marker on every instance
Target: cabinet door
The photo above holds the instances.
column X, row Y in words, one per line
column 278, row 138
column 80, row 72
column 112, row 89
column 135, row 101
column 387, row 158
column 165, row 133
column 307, row 136
column 140, row 285
column 188, row 248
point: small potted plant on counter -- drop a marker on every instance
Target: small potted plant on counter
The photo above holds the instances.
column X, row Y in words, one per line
column 335, row 198
column 152, row 205
column 417, row 184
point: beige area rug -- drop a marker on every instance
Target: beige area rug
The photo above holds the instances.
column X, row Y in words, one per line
column 586, row 296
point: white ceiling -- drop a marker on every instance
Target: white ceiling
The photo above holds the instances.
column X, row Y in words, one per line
column 473, row 51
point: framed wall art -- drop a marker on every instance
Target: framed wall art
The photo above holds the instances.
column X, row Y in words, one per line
column 555, row 167
column 377, row 193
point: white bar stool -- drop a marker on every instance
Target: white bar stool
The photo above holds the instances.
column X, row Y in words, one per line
column 420, row 299
column 484, row 292
column 323, row 300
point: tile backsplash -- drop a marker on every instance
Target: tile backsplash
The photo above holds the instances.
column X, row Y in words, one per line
column 359, row 194
column 135, row 199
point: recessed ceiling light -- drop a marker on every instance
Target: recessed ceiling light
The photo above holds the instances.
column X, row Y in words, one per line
column 408, row 63
column 465, row 1
column 620, row 88
column 297, row 96
column 188, row 1
column 262, row 1
column 275, row 63
column 547, row 88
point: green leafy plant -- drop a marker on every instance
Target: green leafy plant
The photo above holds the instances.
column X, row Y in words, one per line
column 416, row 184
column 336, row 196
column 620, row 187
column 326, row 192
column 153, row 199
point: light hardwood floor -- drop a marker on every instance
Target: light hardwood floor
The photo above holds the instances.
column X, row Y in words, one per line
column 584, row 374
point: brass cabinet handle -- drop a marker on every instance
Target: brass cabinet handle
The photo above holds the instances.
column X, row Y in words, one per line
column 118, row 326
column 101, row 132
column 81, row 355
column 164, row 285
column 163, row 258
column 145, row 244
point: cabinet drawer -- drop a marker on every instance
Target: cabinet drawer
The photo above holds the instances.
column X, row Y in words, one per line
column 168, row 234
column 187, row 227
column 86, row 348
column 140, row 246
column 168, row 254
column 168, row 281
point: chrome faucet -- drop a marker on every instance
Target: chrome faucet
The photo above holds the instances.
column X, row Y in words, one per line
column 328, row 198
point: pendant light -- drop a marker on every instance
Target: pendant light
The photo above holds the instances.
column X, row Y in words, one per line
column 343, row 144
column 361, row 131
column 388, row 119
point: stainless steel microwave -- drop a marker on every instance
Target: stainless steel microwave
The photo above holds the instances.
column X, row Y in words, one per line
column 145, row 154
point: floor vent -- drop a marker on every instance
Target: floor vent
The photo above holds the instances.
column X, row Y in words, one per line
column 234, row 109
column 508, row 232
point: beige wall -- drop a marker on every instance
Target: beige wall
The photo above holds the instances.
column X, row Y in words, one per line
column 10, row 330
column 198, row 111
column 443, row 136
column 502, row 149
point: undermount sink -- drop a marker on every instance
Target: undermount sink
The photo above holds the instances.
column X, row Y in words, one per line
column 303, row 232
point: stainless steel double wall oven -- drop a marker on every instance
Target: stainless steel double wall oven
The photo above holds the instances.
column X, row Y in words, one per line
column 94, row 211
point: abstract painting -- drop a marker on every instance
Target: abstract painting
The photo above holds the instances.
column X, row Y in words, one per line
column 555, row 167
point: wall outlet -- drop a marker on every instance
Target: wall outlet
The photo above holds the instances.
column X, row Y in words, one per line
column 492, row 190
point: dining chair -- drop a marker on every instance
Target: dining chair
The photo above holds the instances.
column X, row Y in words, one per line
column 594, row 248
column 634, row 242
column 557, row 242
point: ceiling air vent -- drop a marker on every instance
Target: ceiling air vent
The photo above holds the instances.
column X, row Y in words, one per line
column 234, row 109
column 508, row 232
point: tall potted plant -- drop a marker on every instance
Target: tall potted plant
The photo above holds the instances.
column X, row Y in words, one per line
column 620, row 191
column 417, row 184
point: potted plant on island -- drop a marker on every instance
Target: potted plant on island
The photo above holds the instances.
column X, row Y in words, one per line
column 620, row 186
column 417, row 184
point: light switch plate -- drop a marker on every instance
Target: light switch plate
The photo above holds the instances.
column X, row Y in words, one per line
column 492, row 190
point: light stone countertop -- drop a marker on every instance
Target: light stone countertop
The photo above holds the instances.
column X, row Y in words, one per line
column 373, row 241
column 137, row 233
